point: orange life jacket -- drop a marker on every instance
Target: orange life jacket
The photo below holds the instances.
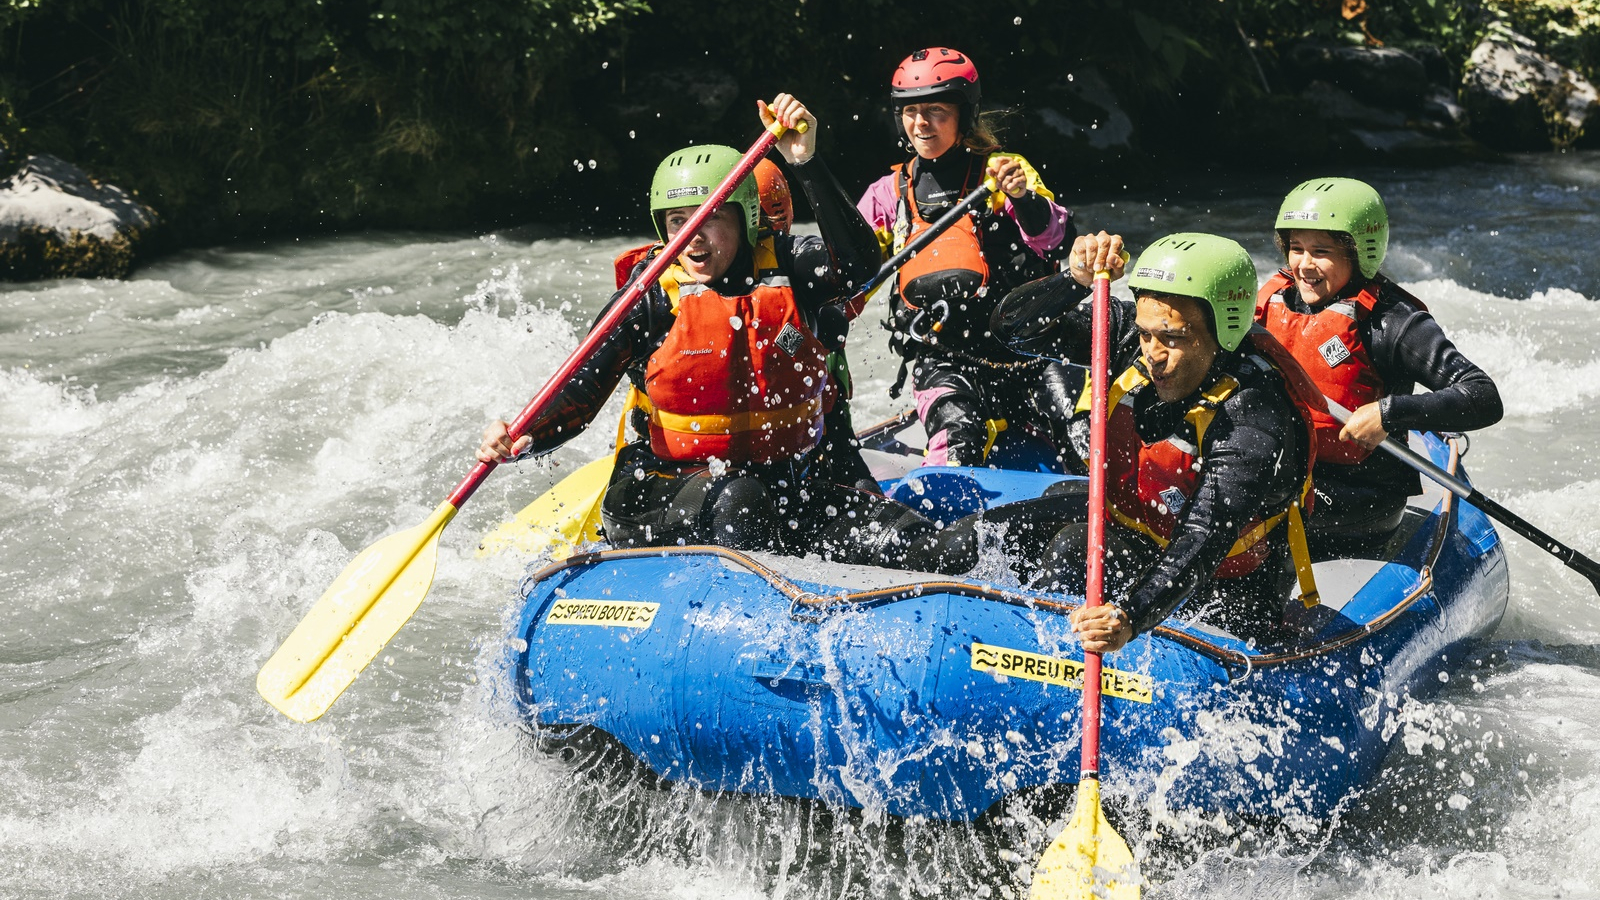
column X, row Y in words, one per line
column 1148, row 485
column 627, row 259
column 950, row 267
column 741, row 379
column 1328, row 345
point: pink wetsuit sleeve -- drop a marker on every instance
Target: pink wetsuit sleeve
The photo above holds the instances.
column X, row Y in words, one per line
column 877, row 204
column 1051, row 237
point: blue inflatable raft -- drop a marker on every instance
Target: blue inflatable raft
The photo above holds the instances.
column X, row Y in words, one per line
column 919, row 695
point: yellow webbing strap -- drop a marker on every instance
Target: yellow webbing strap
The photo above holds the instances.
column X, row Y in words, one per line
column 1201, row 414
column 1129, row 380
column 635, row 400
column 1302, row 557
column 737, row 422
column 994, row 427
column 766, row 255
column 672, row 280
column 886, row 243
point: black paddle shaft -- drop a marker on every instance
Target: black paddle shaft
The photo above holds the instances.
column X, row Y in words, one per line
column 978, row 195
column 1574, row 560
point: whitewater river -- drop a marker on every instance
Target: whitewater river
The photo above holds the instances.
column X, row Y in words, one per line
column 188, row 458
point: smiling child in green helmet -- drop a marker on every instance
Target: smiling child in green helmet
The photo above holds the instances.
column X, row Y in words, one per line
column 731, row 380
column 1367, row 344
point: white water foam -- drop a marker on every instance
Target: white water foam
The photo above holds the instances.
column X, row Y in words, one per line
column 242, row 421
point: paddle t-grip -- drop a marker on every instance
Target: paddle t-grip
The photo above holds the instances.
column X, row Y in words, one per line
column 802, row 127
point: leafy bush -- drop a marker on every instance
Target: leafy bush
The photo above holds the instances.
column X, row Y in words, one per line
column 1568, row 30
column 266, row 114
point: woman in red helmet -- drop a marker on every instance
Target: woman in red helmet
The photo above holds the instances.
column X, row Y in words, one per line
column 966, row 383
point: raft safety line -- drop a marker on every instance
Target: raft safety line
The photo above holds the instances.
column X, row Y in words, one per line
column 877, row 596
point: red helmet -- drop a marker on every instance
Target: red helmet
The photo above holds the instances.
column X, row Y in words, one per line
column 777, row 204
column 927, row 74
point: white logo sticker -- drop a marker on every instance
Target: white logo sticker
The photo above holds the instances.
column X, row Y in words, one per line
column 1174, row 499
column 1334, row 351
column 789, row 339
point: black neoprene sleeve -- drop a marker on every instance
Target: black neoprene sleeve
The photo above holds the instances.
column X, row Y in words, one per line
column 1408, row 347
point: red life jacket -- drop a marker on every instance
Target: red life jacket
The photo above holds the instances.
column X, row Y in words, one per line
column 1148, row 485
column 953, row 265
column 1328, row 345
column 741, row 379
column 627, row 259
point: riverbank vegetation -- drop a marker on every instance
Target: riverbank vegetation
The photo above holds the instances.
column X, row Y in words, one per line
column 271, row 116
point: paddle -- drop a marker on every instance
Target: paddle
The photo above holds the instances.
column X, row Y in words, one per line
column 1088, row 858
column 381, row 588
column 567, row 513
column 563, row 517
column 1574, row 560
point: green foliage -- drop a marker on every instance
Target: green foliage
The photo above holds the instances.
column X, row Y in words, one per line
column 267, row 115
column 1568, row 30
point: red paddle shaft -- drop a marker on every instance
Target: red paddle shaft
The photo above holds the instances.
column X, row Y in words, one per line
column 1099, row 373
column 608, row 323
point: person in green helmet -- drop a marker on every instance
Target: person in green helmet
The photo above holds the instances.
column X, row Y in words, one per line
column 731, row 381
column 1367, row 344
column 1208, row 444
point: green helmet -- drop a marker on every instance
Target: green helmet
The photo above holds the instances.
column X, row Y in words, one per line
column 1341, row 204
column 687, row 177
column 1205, row 267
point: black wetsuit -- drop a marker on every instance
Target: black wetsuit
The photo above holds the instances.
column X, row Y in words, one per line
column 1361, row 505
column 974, row 375
column 792, row 506
column 1253, row 463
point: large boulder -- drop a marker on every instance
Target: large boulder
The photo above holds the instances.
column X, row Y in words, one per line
column 1379, row 76
column 58, row 222
column 1518, row 99
column 1083, row 106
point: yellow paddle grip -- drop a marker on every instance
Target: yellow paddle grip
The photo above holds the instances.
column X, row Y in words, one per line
column 778, row 128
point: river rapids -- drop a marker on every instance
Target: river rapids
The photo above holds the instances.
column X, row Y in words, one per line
column 188, row 458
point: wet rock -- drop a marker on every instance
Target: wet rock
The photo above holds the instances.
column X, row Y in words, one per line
column 58, row 222
column 1336, row 105
column 1086, row 109
column 1439, row 108
column 712, row 89
column 1518, row 99
column 1379, row 76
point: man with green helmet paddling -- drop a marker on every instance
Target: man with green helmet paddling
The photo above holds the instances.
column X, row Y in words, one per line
column 1208, row 444
column 727, row 357
column 1366, row 343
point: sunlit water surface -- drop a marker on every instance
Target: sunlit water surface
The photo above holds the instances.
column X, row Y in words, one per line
column 188, row 458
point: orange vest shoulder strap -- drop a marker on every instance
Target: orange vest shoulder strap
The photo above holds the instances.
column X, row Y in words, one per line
column 1275, row 284
column 1303, row 392
column 627, row 259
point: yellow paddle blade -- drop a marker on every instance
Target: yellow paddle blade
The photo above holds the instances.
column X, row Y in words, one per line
column 562, row 518
column 354, row 620
column 1088, row 858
